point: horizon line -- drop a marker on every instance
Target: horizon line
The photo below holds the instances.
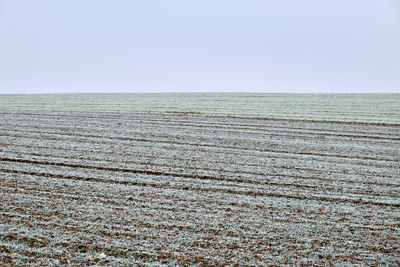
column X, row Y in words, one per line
column 199, row 92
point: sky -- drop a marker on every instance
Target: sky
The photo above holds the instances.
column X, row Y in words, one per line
column 285, row 46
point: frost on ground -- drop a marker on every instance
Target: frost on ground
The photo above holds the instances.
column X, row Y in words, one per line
column 186, row 189
column 379, row 108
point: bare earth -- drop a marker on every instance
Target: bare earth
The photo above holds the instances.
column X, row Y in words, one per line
column 187, row 189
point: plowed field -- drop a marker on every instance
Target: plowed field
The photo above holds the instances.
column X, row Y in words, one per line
column 84, row 188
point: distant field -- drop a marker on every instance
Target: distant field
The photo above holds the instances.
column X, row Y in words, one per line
column 160, row 184
column 381, row 108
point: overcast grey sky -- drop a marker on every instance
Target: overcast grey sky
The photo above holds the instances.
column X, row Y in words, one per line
column 200, row 46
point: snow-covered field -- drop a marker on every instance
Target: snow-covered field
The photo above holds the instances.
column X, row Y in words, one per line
column 381, row 108
column 112, row 188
